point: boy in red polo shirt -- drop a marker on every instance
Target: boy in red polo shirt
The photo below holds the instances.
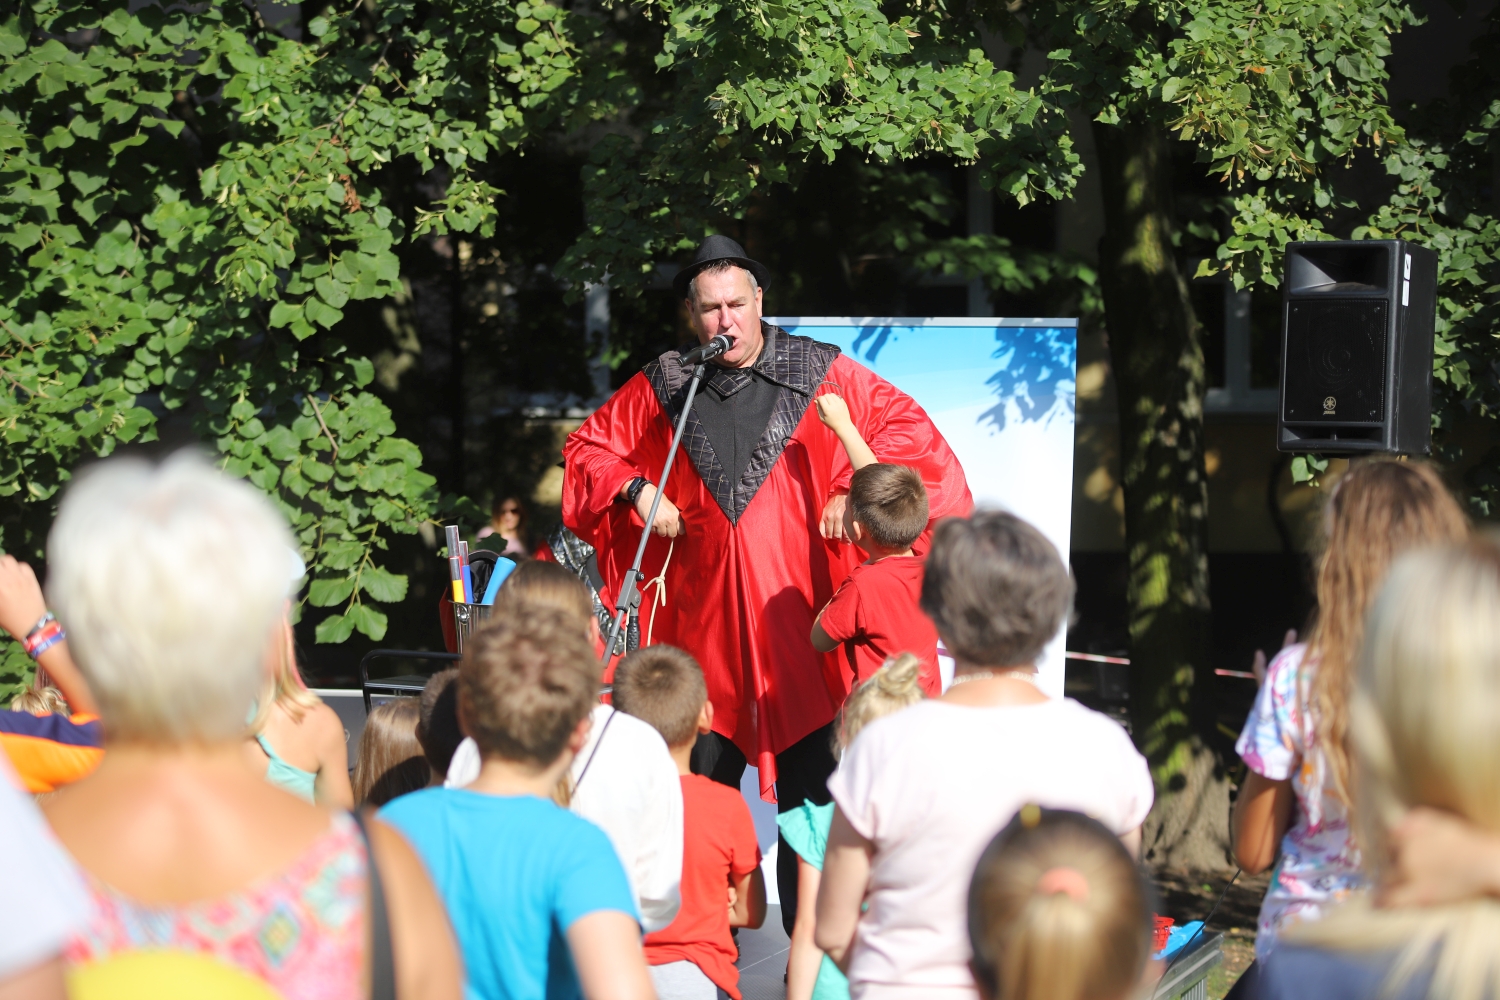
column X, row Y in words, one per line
column 722, row 886
column 875, row 614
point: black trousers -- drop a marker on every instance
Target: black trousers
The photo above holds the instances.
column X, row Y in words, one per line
column 802, row 771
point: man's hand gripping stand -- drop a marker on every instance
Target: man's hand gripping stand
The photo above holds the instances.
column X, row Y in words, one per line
column 629, row 600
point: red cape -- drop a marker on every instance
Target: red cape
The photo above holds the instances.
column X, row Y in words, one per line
column 742, row 597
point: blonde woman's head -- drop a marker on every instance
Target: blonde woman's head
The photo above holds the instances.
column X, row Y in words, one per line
column 1425, row 723
column 890, row 689
column 170, row 579
column 1058, row 910
column 1425, row 731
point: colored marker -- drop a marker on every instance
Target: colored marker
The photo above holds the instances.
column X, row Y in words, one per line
column 468, row 584
column 503, row 569
column 456, row 578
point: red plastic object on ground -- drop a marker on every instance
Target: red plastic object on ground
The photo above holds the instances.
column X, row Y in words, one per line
column 1161, row 929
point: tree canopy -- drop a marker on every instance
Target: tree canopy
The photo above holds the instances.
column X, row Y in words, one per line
column 197, row 203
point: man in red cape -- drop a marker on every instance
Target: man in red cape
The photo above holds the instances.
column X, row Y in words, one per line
column 753, row 521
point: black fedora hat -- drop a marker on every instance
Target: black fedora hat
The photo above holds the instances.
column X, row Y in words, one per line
column 719, row 248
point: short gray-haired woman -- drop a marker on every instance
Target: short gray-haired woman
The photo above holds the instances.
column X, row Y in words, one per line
column 172, row 581
column 920, row 793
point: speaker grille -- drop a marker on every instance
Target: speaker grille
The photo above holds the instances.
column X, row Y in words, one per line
column 1336, row 360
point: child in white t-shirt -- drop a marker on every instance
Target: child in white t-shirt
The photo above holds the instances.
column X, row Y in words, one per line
column 920, row 793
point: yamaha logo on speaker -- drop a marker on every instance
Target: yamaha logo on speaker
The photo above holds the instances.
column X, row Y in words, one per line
column 1328, row 405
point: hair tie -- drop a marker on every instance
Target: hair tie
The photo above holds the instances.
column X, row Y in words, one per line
column 1068, row 881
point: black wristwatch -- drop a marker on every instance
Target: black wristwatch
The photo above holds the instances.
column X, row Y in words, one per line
column 633, row 491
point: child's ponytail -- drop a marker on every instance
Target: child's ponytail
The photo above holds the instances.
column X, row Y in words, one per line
column 1058, row 910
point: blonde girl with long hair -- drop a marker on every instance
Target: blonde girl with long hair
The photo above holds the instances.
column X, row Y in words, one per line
column 1295, row 742
column 810, row 974
column 1424, row 728
column 296, row 740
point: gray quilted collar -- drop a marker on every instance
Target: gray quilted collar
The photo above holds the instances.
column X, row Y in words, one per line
column 795, row 364
column 782, row 361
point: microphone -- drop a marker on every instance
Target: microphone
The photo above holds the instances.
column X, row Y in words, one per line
column 708, row 351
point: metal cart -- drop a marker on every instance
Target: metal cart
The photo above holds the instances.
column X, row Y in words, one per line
column 1187, row 975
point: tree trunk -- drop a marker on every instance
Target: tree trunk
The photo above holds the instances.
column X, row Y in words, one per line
column 1158, row 368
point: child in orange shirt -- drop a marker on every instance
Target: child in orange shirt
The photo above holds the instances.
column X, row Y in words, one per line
column 693, row 956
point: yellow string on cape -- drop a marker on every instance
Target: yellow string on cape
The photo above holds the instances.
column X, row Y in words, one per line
column 659, row 581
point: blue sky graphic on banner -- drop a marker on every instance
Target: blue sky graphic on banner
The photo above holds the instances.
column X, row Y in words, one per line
column 1002, row 393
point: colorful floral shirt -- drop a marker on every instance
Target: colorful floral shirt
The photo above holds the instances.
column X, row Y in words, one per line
column 1319, row 863
column 302, row 931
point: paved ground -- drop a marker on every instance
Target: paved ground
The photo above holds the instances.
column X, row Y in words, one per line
column 763, row 959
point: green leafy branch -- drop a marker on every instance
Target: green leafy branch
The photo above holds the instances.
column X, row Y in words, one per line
column 190, row 202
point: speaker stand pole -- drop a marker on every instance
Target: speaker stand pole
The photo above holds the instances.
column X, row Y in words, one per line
column 629, row 600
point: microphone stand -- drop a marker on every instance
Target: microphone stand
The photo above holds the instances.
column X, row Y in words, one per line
column 629, row 600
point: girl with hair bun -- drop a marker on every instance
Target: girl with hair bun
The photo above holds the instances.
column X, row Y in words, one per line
column 811, row 975
column 1058, row 910
column 894, row 686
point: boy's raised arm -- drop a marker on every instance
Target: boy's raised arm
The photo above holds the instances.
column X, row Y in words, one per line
column 834, row 413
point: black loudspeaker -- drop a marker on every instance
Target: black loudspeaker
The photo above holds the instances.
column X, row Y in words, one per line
column 1356, row 347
